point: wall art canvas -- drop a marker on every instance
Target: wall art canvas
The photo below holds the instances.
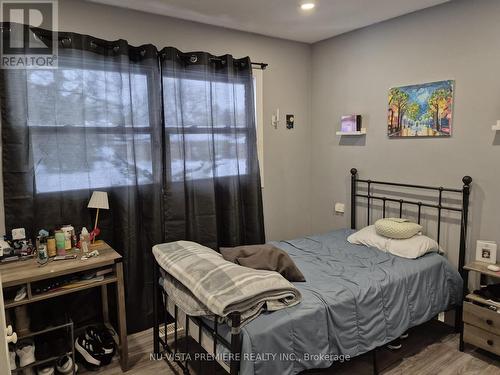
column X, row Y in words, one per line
column 424, row 110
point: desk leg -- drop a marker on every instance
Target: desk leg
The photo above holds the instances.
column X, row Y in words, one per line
column 122, row 320
column 104, row 301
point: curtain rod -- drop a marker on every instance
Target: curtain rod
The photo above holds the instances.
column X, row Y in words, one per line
column 257, row 65
column 260, row 65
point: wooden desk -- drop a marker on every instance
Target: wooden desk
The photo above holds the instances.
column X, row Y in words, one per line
column 26, row 272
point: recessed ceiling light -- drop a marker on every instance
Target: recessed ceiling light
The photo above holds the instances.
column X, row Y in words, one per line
column 307, row 6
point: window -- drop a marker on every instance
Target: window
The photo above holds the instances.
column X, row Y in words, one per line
column 98, row 119
column 206, row 122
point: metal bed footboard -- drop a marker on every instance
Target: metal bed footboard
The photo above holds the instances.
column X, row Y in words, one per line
column 234, row 346
column 194, row 327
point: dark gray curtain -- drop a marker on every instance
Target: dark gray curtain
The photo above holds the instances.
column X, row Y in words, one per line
column 170, row 137
column 213, row 192
column 92, row 124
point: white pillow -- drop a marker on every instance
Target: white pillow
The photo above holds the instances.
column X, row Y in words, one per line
column 368, row 236
column 410, row 248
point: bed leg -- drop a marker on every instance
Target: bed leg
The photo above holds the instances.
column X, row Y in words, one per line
column 235, row 343
column 374, row 359
column 156, row 327
column 458, row 319
column 459, row 324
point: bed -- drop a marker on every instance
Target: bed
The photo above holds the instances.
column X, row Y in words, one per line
column 355, row 299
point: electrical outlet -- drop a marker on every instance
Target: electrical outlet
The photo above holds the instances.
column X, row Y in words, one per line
column 290, row 120
column 339, row 208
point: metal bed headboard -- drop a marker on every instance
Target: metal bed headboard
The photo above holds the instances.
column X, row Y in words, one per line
column 440, row 206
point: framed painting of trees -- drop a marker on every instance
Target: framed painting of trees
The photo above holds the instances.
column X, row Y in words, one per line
column 424, row 110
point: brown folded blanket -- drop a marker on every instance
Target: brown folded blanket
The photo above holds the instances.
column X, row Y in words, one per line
column 263, row 257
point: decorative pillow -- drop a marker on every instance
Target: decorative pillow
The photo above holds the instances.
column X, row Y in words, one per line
column 397, row 228
column 264, row 257
column 412, row 248
column 368, row 236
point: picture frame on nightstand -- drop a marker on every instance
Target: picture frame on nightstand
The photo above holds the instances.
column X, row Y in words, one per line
column 486, row 251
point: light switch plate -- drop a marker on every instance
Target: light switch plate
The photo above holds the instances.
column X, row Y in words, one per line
column 18, row 234
column 339, row 208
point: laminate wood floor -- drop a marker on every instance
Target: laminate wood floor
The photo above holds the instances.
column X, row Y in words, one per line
column 430, row 350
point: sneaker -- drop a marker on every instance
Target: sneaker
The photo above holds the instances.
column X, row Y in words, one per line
column 21, row 294
column 26, row 353
column 88, row 353
column 12, row 358
column 395, row 345
column 103, row 337
column 404, row 335
column 64, row 365
column 46, row 371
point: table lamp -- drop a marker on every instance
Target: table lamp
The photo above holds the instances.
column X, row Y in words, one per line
column 98, row 200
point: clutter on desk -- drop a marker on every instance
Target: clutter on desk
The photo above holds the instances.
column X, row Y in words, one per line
column 59, row 244
column 93, row 254
column 65, row 257
column 16, row 247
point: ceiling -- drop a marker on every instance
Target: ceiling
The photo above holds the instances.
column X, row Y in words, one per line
column 281, row 18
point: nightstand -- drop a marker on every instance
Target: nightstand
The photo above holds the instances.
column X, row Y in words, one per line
column 481, row 324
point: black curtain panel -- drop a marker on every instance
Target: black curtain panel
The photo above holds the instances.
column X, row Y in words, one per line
column 212, row 192
column 94, row 123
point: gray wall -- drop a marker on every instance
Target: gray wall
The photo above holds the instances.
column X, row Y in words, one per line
column 352, row 74
column 286, row 85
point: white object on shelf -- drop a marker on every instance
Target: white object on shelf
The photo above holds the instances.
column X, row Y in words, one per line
column 493, row 268
column 497, row 126
column 486, row 251
column 361, row 132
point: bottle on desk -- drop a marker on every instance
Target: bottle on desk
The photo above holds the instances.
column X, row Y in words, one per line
column 51, row 247
column 60, row 243
column 85, row 240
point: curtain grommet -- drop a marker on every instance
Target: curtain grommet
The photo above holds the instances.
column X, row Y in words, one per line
column 66, row 42
column 193, row 59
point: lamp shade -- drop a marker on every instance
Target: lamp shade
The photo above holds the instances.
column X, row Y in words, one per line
column 99, row 199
